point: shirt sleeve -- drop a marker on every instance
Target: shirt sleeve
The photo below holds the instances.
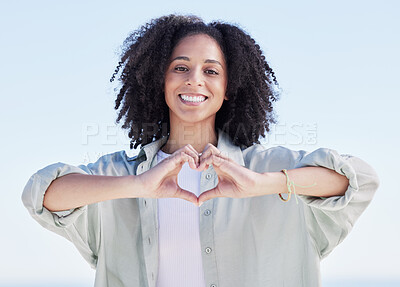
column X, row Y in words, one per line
column 79, row 225
column 330, row 219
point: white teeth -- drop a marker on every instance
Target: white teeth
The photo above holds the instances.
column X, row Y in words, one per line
column 193, row 99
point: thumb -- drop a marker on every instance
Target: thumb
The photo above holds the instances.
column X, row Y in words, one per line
column 186, row 195
column 209, row 194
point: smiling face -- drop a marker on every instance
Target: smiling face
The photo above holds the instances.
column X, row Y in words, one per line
column 195, row 80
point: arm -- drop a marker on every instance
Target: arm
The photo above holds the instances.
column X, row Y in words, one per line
column 76, row 190
column 82, row 224
column 320, row 181
column 345, row 185
column 330, row 219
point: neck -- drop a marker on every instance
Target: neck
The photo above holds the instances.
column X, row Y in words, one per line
column 196, row 134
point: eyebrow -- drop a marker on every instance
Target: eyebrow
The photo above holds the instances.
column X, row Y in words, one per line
column 205, row 61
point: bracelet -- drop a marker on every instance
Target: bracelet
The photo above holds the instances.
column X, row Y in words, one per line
column 290, row 184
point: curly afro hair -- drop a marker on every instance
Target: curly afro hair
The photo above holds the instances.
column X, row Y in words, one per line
column 145, row 57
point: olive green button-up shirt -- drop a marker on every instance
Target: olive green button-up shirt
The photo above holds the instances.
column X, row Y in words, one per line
column 257, row 241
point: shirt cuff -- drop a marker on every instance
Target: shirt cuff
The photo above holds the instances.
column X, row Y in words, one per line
column 346, row 165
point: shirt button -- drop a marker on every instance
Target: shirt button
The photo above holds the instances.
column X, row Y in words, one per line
column 208, row 175
column 213, row 285
column 207, row 212
column 208, row 250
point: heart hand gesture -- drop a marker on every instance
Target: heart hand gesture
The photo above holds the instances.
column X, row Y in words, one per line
column 161, row 181
column 234, row 180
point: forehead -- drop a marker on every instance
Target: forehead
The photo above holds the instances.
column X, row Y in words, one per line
column 200, row 45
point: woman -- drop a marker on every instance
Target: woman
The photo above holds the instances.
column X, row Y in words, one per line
column 197, row 97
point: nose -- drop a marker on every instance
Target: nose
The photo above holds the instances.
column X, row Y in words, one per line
column 195, row 78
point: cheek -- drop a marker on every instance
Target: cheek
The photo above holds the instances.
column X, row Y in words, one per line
column 222, row 86
column 170, row 82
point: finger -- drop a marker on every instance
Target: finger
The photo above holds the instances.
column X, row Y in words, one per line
column 178, row 159
column 213, row 159
column 193, row 153
column 228, row 168
column 189, row 158
column 193, row 149
column 209, row 194
column 189, row 149
column 186, row 195
column 210, row 149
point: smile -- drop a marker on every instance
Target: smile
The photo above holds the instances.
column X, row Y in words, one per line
column 193, row 99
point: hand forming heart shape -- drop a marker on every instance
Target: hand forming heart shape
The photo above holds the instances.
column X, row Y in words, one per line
column 234, row 180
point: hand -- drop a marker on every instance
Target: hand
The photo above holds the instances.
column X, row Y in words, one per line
column 161, row 181
column 234, row 180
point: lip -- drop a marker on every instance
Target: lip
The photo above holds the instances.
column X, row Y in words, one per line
column 193, row 95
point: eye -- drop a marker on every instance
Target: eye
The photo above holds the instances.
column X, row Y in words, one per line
column 181, row 69
column 212, row 72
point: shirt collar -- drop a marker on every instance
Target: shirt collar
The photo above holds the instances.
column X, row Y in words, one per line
column 225, row 145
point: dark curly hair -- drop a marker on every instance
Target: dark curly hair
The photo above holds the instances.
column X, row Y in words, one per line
column 145, row 57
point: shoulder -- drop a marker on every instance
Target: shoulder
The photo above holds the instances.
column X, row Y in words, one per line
column 116, row 163
column 277, row 152
column 115, row 157
column 260, row 157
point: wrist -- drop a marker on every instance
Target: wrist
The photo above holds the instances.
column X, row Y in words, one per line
column 132, row 186
column 274, row 182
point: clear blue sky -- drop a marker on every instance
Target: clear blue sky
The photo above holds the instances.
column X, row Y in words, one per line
column 336, row 61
